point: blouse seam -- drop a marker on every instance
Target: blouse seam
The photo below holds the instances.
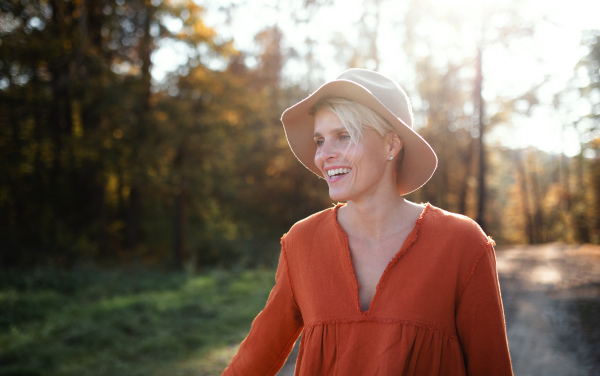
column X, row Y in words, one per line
column 287, row 272
column 348, row 258
column 382, row 321
column 488, row 245
column 282, row 351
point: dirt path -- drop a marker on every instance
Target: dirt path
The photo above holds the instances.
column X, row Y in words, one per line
column 551, row 297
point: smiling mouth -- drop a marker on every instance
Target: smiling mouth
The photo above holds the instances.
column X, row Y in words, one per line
column 337, row 172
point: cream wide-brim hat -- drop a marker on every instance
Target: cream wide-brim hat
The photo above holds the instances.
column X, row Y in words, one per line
column 382, row 95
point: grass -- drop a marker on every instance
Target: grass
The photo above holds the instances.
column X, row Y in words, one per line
column 90, row 322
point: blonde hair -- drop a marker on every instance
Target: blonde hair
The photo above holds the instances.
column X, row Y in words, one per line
column 356, row 117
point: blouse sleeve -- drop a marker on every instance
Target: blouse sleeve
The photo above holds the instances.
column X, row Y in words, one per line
column 273, row 333
column 480, row 320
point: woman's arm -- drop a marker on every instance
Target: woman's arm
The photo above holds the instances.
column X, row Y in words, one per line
column 273, row 333
column 480, row 320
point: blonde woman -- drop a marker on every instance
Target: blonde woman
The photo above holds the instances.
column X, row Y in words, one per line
column 377, row 285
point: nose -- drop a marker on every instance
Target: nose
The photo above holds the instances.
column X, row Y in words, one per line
column 326, row 152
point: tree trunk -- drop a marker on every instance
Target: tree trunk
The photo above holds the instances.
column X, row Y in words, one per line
column 464, row 186
column 522, row 178
column 564, row 169
column 595, row 178
column 140, row 130
column 538, row 215
column 134, row 216
column 180, row 206
column 181, row 195
column 481, row 111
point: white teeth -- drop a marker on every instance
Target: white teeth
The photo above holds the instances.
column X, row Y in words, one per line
column 338, row 171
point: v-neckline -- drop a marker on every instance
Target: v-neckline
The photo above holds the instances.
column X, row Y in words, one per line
column 408, row 242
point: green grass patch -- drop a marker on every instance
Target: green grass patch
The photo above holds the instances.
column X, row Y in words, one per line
column 90, row 322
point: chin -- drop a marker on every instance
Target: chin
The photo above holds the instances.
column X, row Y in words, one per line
column 339, row 196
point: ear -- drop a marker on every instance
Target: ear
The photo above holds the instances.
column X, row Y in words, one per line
column 395, row 144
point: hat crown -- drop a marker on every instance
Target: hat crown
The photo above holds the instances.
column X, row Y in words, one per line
column 385, row 90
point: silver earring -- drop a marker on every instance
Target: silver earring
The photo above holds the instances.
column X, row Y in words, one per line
column 390, row 158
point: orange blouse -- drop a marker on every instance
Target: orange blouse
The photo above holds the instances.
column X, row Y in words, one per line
column 437, row 309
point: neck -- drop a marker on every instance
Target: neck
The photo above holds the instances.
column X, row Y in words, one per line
column 377, row 219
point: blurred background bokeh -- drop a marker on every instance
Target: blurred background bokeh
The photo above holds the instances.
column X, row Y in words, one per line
column 146, row 179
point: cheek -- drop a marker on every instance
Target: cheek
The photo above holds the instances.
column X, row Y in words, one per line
column 354, row 155
column 317, row 158
column 372, row 166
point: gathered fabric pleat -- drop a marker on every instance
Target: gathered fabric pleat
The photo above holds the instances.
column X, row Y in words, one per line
column 373, row 348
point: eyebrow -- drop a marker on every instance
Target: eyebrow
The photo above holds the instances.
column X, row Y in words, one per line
column 336, row 130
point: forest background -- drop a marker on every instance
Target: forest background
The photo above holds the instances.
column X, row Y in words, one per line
column 108, row 157
column 146, row 179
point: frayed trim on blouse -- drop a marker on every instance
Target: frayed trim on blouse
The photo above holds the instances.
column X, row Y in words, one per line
column 348, row 258
column 287, row 270
column 383, row 321
column 414, row 234
column 488, row 245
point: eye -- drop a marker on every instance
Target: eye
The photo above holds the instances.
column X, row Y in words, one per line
column 319, row 142
column 345, row 137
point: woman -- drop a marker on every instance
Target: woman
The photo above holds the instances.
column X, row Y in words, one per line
column 379, row 285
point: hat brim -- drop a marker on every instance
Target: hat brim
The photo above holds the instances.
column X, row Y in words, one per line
column 419, row 163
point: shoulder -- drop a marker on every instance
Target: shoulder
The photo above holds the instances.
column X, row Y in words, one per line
column 311, row 239
column 456, row 241
column 456, row 229
column 452, row 223
column 312, row 225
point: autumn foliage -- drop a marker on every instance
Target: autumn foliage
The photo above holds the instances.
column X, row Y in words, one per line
column 103, row 164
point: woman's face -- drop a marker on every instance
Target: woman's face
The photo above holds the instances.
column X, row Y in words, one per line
column 351, row 171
